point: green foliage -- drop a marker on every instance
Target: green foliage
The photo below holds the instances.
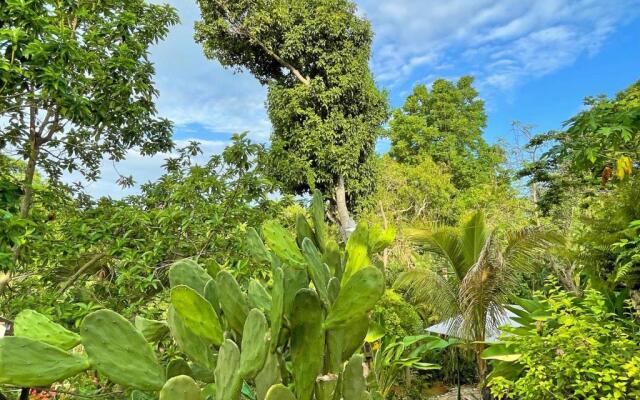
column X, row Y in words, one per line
column 116, row 252
column 568, row 348
column 445, row 124
column 323, row 103
column 397, row 317
column 77, row 84
column 598, row 145
column 304, row 338
column 393, row 355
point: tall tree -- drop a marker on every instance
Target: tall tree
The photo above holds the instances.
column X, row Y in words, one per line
column 76, row 83
column 325, row 108
column 445, row 124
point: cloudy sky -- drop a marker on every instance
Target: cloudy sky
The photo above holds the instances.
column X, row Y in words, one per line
column 534, row 61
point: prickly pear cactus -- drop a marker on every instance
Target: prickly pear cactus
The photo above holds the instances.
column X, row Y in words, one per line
column 197, row 313
column 150, row 329
column 119, row 351
column 227, row 374
column 180, row 387
column 27, row 362
column 288, row 339
column 255, row 344
column 33, row 325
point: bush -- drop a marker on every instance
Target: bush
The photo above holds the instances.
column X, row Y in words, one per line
column 577, row 349
column 398, row 317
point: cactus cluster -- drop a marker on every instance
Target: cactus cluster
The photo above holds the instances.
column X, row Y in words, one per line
column 295, row 337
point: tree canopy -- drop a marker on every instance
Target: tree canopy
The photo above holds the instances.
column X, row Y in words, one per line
column 323, row 103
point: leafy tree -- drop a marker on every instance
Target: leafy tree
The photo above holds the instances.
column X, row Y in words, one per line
column 476, row 274
column 598, row 145
column 116, row 253
column 446, row 124
column 76, row 83
column 325, row 108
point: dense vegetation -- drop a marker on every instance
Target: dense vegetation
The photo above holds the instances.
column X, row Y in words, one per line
column 247, row 276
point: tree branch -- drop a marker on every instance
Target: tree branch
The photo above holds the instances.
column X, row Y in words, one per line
column 242, row 31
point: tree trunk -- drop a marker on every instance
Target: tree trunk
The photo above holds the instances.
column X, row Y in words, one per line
column 347, row 225
column 27, row 185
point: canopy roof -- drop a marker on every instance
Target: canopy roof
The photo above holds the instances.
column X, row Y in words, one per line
column 450, row 326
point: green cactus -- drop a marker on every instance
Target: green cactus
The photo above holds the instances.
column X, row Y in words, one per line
column 356, row 298
column 27, row 362
column 304, row 231
column 318, row 271
column 354, row 386
column 258, row 296
column 189, row 343
column 307, row 342
column 211, row 295
column 294, row 332
column 197, row 314
column 180, row 387
column 152, row 330
column 282, row 244
column 119, row 351
column 189, row 273
column 319, row 224
column 232, row 300
column 268, row 376
column 280, row 392
column 178, row 367
column 277, row 306
column 255, row 344
column 33, row 325
column 256, row 247
column 227, row 376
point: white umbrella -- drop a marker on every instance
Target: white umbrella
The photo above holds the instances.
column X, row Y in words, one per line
column 491, row 335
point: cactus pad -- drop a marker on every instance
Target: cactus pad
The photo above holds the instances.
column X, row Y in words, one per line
column 190, row 343
column 255, row 344
column 152, row 330
column 180, row 387
column 277, row 306
column 232, row 300
column 307, row 342
column 258, row 296
column 197, row 313
column 268, row 376
column 282, row 244
column 354, row 386
column 26, row 362
column 33, row 325
column 178, row 367
column 118, row 350
column 228, row 380
column 280, row 392
column 356, row 298
column 187, row 272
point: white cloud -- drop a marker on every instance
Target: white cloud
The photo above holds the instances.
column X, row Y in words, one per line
column 503, row 41
column 195, row 90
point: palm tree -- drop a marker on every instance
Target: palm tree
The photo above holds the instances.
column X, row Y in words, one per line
column 477, row 273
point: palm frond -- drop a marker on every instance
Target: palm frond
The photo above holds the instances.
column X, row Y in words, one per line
column 525, row 247
column 443, row 242
column 474, row 237
column 425, row 286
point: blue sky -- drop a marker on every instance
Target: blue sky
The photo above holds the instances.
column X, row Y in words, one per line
column 534, row 61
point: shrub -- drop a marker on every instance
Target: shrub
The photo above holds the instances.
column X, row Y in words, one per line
column 398, row 317
column 574, row 349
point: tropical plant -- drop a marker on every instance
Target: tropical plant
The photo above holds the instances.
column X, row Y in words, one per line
column 474, row 276
column 295, row 341
column 394, row 356
column 567, row 348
